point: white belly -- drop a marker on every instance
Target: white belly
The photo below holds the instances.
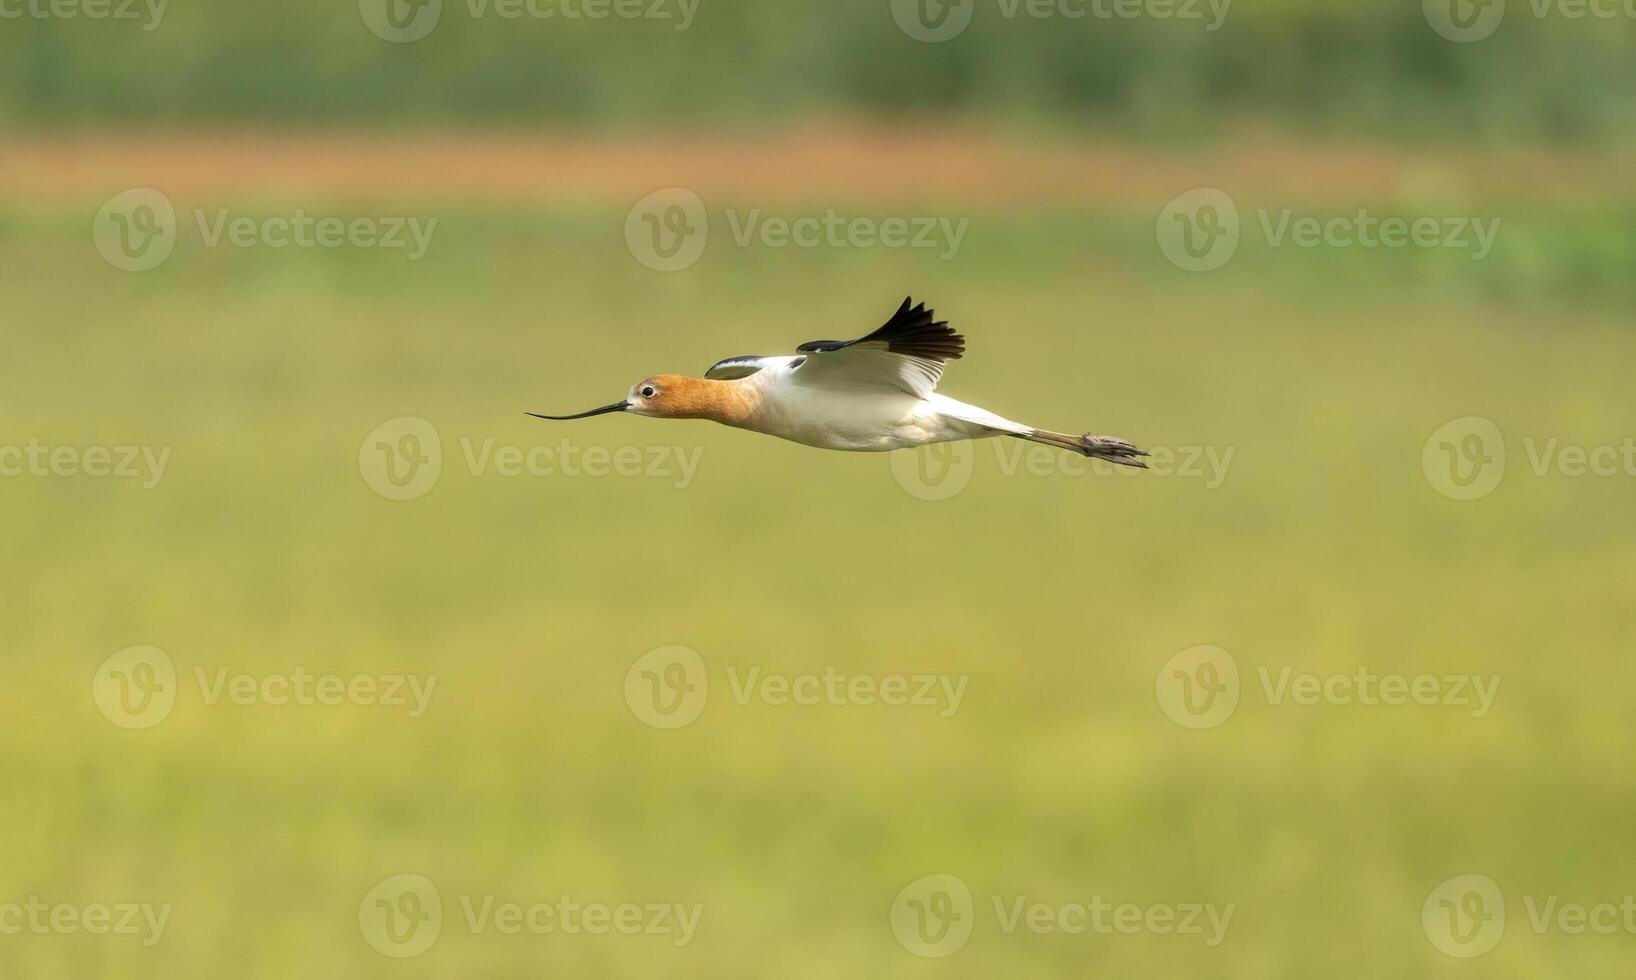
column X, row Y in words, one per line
column 862, row 419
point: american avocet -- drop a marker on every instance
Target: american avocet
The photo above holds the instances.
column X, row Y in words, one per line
column 866, row 395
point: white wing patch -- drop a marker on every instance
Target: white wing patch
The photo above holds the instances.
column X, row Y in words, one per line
column 906, row 352
column 738, row 367
column 870, row 365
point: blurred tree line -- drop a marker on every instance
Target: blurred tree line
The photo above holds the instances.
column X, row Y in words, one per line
column 1363, row 69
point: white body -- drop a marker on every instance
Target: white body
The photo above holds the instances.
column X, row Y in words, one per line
column 861, row 417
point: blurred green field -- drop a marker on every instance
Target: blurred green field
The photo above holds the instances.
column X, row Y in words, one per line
column 1325, row 548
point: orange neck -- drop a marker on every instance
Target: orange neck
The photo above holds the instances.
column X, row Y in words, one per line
column 728, row 402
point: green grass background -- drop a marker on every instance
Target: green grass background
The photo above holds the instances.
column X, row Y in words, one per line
column 1325, row 549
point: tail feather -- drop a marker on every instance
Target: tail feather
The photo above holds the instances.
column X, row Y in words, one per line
column 1109, row 448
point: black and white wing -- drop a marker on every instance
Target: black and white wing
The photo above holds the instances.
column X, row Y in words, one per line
column 909, row 352
column 734, row 368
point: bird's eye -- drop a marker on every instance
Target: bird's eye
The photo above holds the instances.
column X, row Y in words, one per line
column 648, row 391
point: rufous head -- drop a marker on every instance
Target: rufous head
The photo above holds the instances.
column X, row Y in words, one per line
column 669, row 396
column 675, row 396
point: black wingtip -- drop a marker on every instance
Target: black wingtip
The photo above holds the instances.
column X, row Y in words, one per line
column 915, row 330
column 912, row 331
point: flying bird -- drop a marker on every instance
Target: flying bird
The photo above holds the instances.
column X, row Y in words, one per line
column 872, row 394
